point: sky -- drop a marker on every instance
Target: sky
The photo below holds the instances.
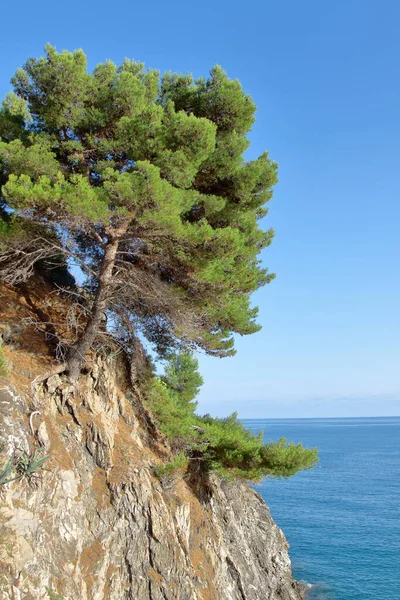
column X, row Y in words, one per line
column 325, row 78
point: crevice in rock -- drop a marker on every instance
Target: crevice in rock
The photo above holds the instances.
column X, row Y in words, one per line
column 236, row 577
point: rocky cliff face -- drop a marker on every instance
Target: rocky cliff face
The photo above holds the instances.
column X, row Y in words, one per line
column 96, row 524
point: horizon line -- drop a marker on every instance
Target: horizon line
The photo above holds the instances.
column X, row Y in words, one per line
column 310, row 418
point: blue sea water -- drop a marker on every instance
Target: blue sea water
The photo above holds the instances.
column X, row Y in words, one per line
column 342, row 519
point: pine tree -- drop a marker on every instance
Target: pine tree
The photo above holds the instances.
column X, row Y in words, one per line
column 142, row 180
column 182, row 377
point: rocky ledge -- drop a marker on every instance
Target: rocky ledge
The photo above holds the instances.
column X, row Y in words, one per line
column 96, row 523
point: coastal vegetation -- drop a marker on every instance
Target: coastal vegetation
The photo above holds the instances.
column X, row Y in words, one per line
column 23, row 466
column 223, row 446
column 130, row 192
column 141, row 181
column 3, row 364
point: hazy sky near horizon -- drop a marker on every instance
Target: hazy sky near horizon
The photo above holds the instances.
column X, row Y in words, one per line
column 325, row 78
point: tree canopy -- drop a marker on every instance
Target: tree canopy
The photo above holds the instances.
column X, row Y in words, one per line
column 141, row 180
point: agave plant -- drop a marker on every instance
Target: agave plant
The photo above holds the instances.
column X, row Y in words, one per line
column 6, row 472
column 28, row 464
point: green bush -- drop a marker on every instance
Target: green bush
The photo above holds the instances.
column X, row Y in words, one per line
column 6, row 472
column 171, row 398
column 175, row 419
column 284, row 459
column 182, row 377
column 3, row 364
column 25, row 466
column 232, row 450
column 9, row 230
column 53, row 595
column 222, row 446
column 235, row 452
column 170, row 472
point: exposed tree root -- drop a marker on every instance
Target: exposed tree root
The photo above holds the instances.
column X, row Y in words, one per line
column 57, row 370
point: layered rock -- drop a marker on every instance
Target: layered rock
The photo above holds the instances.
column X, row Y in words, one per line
column 96, row 524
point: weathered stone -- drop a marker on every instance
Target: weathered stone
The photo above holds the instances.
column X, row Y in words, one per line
column 97, row 525
column 43, row 436
column 53, row 383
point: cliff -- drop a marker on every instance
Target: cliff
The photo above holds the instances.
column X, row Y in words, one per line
column 96, row 523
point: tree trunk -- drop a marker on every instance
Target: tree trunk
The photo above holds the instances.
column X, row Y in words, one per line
column 77, row 353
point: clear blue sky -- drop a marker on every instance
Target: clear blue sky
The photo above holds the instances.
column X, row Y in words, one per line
column 325, row 76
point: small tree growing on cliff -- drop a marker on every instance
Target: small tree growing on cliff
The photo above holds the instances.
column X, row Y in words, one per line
column 223, row 446
column 142, row 180
column 182, row 377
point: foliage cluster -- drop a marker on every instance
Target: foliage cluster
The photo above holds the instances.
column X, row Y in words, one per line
column 143, row 181
column 10, row 231
column 6, row 472
column 234, row 451
column 168, row 473
column 223, row 446
column 53, row 595
column 3, row 364
column 24, row 466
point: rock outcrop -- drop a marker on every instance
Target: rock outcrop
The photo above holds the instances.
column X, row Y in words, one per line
column 96, row 524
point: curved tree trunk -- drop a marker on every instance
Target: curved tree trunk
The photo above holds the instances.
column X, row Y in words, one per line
column 78, row 351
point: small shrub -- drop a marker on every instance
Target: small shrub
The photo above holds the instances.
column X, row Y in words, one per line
column 183, row 378
column 3, row 364
column 10, row 230
column 284, row 459
column 53, row 595
column 6, row 472
column 222, row 446
column 235, row 452
column 169, row 473
column 232, row 450
column 27, row 465
column 175, row 419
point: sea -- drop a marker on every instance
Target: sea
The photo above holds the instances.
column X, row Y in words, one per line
column 342, row 518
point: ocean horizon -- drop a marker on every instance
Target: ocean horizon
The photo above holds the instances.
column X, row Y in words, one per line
column 268, row 419
column 342, row 518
